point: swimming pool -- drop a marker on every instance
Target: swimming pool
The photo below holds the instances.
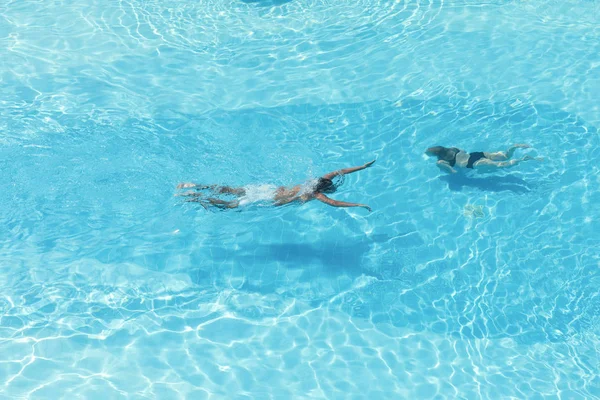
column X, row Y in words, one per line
column 454, row 287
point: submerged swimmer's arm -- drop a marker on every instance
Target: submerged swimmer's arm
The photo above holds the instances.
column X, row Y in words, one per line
column 347, row 170
column 444, row 166
column 335, row 203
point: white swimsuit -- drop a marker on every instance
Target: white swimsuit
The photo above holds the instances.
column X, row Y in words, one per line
column 258, row 194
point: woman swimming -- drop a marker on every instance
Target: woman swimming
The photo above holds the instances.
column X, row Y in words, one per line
column 278, row 196
column 448, row 158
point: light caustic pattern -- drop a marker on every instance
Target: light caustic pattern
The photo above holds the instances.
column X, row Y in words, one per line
column 467, row 286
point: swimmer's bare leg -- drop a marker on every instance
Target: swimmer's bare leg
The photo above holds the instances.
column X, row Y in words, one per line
column 222, row 203
column 506, row 155
column 190, row 185
column 228, row 190
column 490, row 164
column 215, row 202
column 190, row 194
column 202, row 202
column 213, row 188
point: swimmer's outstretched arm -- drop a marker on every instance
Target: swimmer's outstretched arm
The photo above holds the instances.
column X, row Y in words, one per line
column 345, row 171
column 321, row 197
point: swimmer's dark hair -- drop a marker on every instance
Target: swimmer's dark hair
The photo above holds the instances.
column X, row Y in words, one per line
column 442, row 153
column 325, row 185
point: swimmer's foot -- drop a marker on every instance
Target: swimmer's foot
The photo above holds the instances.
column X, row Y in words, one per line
column 514, row 147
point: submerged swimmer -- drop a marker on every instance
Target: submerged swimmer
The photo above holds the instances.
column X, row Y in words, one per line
column 278, row 196
column 448, row 158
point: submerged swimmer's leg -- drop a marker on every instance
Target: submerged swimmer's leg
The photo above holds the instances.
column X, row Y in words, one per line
column 229, row 190
column 189, row 193
column 222, row 203
column 214, row 202
column 213, row 188
column 506, row 155
column 490, row 164
column 190, row 185
column 202, row 202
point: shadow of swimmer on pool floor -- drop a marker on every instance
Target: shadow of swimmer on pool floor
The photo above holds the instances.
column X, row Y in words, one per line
column 226, row 197
column 511, row 183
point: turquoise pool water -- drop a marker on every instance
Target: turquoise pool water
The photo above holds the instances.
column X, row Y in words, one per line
column 469, row 286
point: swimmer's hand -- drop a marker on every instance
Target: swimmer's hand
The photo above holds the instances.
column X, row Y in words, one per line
column 345, row 171
column 336, row 203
